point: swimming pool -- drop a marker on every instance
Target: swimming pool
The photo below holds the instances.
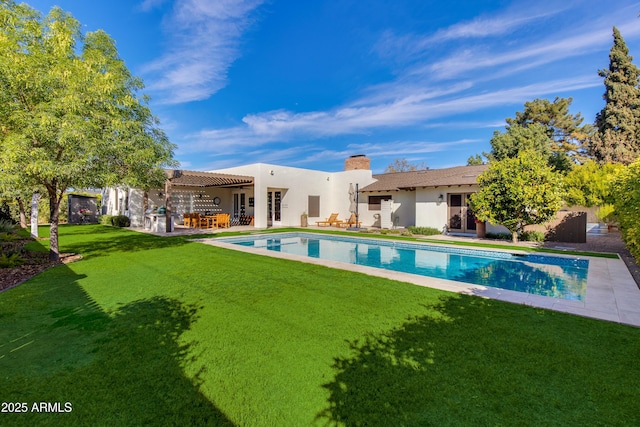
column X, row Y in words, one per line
column 552, row 276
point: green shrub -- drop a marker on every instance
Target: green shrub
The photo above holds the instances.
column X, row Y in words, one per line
column 8, row 261
column 532, row 236
column 626, row 193
column 9, row 237
column 6, row 226
column 121, row 221
column 606, row 213
column 424, row 231
column 499, row 236
column 106, row 219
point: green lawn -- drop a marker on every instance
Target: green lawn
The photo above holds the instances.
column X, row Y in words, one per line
column 162, row 331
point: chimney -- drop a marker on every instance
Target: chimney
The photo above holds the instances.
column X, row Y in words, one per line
column 357, row 161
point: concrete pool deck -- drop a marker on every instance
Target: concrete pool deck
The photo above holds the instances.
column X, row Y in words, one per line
column 611, row 294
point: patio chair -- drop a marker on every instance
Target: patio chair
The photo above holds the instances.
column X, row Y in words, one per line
column 190, row 220
column 224, row 220
column 351, row 222
column 333, row 219
column 195, row 220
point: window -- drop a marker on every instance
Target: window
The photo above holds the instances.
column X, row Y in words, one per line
column 313, row 206
column 374, row 202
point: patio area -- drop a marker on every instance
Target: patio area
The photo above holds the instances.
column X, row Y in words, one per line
column 181, row 230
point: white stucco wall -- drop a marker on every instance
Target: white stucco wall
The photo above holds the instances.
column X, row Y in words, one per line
column 423, row 207
column 420, row 207
column 403, row 212
column 296, row 185
column 430, row 211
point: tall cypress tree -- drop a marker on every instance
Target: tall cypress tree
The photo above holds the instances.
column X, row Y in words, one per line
column 618, row 124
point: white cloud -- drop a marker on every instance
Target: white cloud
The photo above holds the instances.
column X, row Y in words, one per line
column 519, row 58
column 411, row 46
column 507, row 55
column 284, row 126
column 148, row 5
column 204, row 39
column 409, row 110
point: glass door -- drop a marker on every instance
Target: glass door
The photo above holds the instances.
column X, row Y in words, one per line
column 455, row 212
column 239, row 206
column 274, row 208
column 470, row 217
column 461, row 217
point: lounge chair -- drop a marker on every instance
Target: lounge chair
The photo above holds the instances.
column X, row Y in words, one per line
column 333, row 219
column 351, row 222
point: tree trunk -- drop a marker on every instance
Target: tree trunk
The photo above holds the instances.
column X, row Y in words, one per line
column 23, row 214
column 167, row 205
column 145, row 202
column 54, row 206
column 35, row 199
column 514, row 236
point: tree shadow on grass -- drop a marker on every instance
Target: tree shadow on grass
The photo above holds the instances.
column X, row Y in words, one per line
column 125, row 369
column 472, row 361
column 106, row 240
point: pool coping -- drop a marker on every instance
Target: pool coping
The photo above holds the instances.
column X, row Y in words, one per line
column 611, row 294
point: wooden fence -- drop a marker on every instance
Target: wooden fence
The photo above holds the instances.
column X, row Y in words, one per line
column 567, row 227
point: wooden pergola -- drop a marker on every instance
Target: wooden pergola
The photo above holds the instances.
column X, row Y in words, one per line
column 184, row 178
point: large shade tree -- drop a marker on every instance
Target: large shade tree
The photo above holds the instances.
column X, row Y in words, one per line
column 568, row 135
column 71, row 114
column 518, row 191
column 617, row 139
column 532, row 136
column 403, row 165
column 518, row 138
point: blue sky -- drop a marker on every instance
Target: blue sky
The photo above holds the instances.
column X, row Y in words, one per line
column 308, row 83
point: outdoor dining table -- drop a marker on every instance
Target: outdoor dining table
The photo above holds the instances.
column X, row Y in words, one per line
column 212, row 221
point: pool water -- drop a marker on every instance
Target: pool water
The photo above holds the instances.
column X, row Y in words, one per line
column 552, row 276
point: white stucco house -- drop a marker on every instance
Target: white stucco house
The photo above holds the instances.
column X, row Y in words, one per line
column 427, row 198
column 278, row 195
